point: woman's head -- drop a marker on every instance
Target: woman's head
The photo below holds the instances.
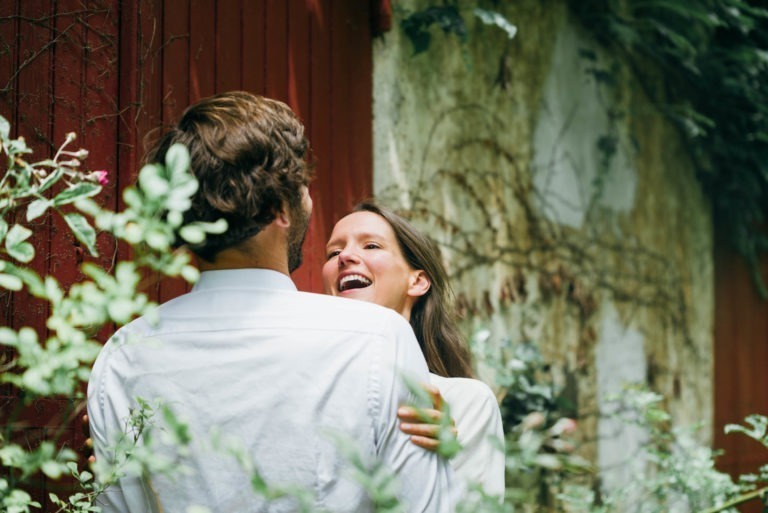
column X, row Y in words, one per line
column 376, row 255
column 365, row 261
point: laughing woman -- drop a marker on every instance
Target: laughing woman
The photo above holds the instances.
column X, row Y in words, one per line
column 377, row 256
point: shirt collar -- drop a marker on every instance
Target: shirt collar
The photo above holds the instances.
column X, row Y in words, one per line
column 244, row 278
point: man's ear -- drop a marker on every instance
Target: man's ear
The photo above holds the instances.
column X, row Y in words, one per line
column 418, row 284
column 282, row 218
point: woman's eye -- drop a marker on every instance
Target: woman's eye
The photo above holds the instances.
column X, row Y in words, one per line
column 372, row 245
column 332, row 254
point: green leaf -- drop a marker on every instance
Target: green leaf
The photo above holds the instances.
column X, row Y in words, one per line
column 37, row 208
column 28, row 276
column 5, row 129
column 217, row 227
column 192, row 234
column 17, row 234
column 8, row 337
column 120, row 310
column 190, row 273
column 52, row 469
column 10, row 282
column 16, row 246
column 81, row 190
column 3, row 229
column 51, row 179
column 177, row 159
column 151, row 181
column 82, row 230
column 23, row 251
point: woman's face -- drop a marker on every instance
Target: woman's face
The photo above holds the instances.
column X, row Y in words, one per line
column 364, row 261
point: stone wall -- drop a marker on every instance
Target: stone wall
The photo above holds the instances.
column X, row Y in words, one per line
column 564, row 203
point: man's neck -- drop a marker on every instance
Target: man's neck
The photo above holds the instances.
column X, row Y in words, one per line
column 262, row 251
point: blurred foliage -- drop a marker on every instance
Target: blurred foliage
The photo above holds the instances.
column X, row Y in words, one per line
column 669, row 469
column 713, row 61
column 450, row 17
column 54, row 363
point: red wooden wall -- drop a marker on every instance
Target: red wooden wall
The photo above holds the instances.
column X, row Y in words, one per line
column 112, row 71
column 741, row 364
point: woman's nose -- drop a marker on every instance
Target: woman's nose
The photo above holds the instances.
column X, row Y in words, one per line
column 347, row 256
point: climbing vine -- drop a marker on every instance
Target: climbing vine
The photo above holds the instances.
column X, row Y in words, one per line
column 704, row 63
column 713, row 57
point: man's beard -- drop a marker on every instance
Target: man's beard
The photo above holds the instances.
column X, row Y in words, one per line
column 296, row 235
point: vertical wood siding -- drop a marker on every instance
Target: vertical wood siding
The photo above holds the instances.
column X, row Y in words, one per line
column 741, row 361
column 115, row 71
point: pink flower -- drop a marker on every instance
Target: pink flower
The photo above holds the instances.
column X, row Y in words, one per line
column 563, row 426
column 533, row 420
column 98, row 176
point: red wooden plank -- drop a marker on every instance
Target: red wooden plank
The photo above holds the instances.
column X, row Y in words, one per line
column 34, row 123
column 299, row 52
column 381, row 16
column 150, row 98
column 740, row 383
column 254, row 46
column 202, row 58
column 176, row 60
column 9, row 31
column 319, row 125
column 228, row 45
column 351, row 103
column 101, row 109
column 277, row 51
column 360, row 102
column 66, row 78
column 8, row 101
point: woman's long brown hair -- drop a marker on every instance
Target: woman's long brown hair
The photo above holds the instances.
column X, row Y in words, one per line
column 432, row 318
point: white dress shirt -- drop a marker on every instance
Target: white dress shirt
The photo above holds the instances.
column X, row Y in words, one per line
column 480, row 432
column 245, row 354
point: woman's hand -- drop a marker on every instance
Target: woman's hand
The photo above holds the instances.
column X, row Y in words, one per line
column 87, row 448
column 424, row 424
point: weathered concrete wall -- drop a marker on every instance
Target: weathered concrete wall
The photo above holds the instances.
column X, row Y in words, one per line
column 565, row 205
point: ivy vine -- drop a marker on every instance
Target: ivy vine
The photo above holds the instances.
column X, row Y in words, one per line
column 713, row 85
column 713, row 55
column 449, row 17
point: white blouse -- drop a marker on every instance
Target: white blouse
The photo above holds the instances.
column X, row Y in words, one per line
column 475, row 410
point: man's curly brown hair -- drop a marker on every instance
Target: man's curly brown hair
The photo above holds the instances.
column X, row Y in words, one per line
column 248, row 154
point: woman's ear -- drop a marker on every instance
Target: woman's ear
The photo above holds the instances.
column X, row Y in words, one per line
column 418, row 284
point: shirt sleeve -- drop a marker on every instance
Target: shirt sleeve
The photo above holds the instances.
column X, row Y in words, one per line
column 426, row 480
column 480, row 432
column 108, row 411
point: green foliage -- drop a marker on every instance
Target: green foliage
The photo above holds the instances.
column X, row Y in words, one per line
column 56, row 362
column 448, row 445
column 450, row 18
column 713, row 57
column 670, row 471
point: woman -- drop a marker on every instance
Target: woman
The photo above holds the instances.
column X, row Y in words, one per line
column 375, row 255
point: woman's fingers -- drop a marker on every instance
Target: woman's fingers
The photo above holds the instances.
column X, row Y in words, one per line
column 434, row 393
column 426, row 430
column 429, row 444
column 411, row 414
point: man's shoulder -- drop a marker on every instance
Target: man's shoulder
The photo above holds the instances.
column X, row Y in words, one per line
column 348, row 314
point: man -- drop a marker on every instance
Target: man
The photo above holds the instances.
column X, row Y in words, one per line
column 246, row 355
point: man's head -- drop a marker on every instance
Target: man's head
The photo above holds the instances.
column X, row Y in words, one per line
column 249, row 155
